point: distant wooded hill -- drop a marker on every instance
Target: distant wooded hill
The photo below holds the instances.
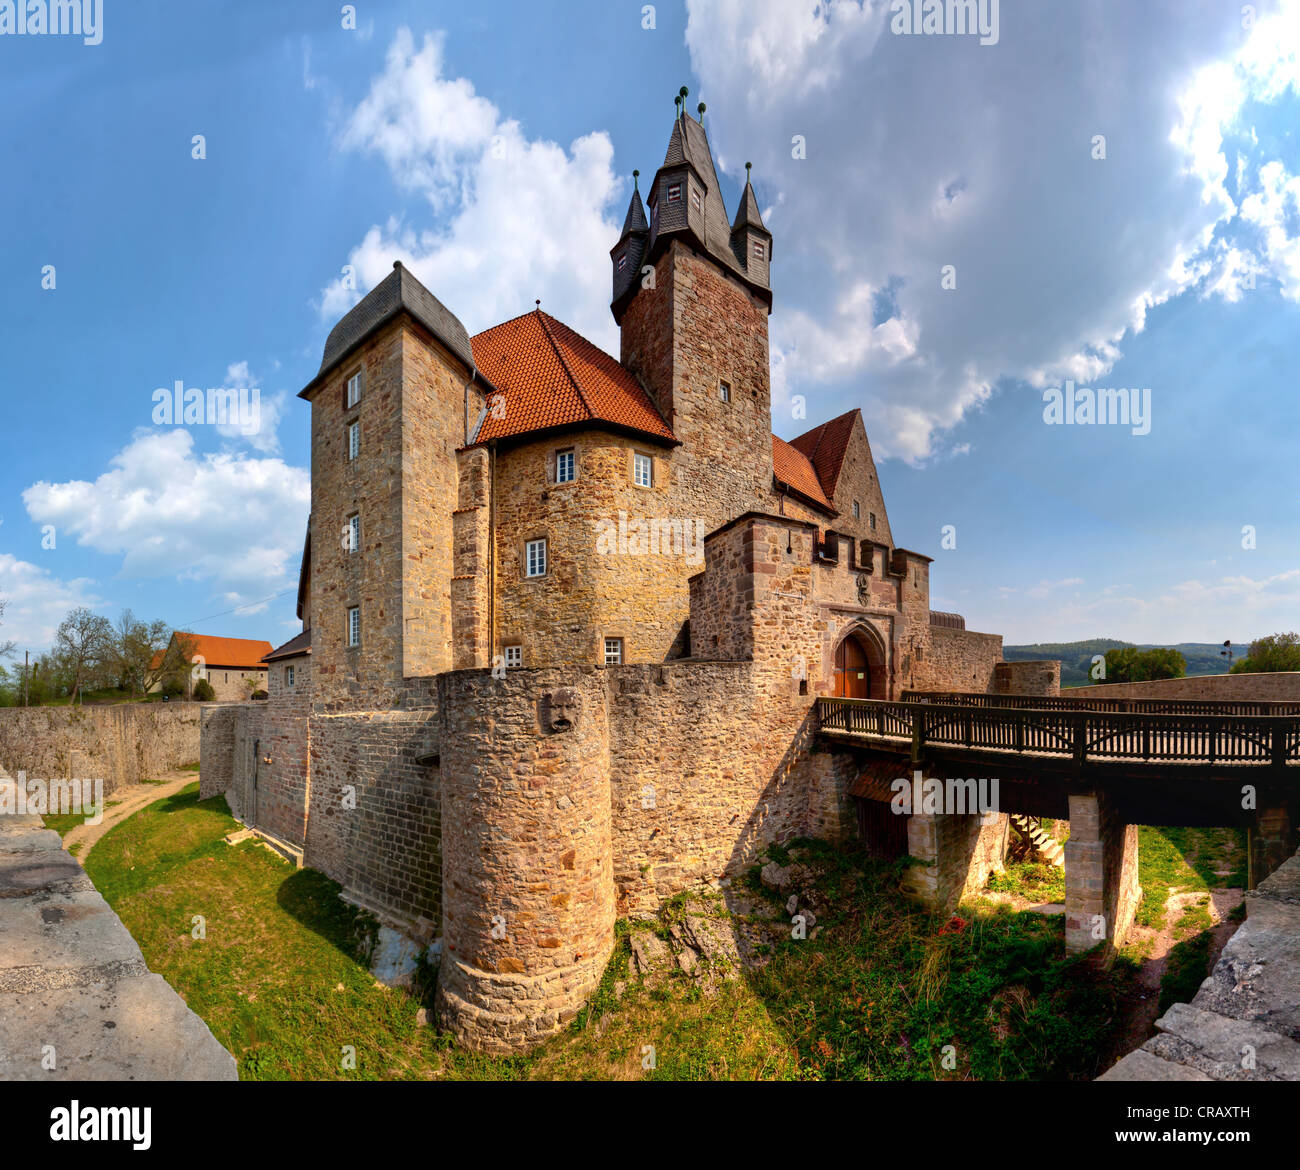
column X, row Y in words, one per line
column 1076, row 657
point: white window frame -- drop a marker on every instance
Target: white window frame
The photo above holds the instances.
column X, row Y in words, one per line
column 760, row 250
column 289, row 674
column 857, row 511
column 571, row 455
column 613, row 651
column 353, row 393
column 354, row 533
column 675, row 193
column 724, row 391
column 641, row 460
column 539, row 562
column 354, row 440
column 354, row 626
column 514, row 657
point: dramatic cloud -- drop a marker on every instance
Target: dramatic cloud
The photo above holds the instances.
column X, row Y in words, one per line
column 488, row 193
column 226, row 519
column 37, row 602
column 924, row 152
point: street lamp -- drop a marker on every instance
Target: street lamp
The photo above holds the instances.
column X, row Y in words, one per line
column 1226, row 652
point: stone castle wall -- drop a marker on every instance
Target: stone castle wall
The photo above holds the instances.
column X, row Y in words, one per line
column 955, row 660
column 120, row 743
column 1279, row 687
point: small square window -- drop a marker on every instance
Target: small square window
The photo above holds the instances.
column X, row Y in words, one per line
column 724, row 391
column 675, row 193
column 514, row 656
column 354, row 390
column 642, row 470
column 565, row 467
column 354, row 440
column 354, row 626
column 535, row 558
column 857, row 512
column 354, row 533
column 613, row 651
column 288, row 676
column 760, row 251
column 873, row 522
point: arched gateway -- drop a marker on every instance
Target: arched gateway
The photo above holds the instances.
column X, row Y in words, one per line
column 859, row 669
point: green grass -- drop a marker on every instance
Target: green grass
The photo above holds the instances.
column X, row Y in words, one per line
column 1031, row 879
column 879, row 994
column 1188, row 965
column 1185, row 859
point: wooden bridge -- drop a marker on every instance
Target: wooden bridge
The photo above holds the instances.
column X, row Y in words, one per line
column 1227, row 737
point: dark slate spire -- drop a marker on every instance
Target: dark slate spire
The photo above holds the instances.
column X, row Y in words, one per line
column 636, row 221
column 747, row 214
column 751, row 242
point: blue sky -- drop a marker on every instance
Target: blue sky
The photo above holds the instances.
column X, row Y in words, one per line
column 490, row 148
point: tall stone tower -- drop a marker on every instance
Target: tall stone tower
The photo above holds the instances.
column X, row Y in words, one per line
column 691, row 296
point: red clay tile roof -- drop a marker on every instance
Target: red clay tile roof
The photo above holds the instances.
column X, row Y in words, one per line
column 794, row 469
column 235, row 653
column 825, row 445
column 553, row 377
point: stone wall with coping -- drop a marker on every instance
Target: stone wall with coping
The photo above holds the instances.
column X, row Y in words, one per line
column 1278, row 687
column 120, row 743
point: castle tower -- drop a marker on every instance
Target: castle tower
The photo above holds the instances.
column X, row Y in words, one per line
column 693, row 320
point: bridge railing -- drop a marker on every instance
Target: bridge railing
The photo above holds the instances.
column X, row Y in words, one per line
column 1083, row 702
column 1076, row 734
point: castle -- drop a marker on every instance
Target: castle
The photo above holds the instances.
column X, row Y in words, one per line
column 565, row 617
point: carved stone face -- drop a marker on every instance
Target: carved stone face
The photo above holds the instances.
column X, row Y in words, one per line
column 561, row 710
column 864, row 588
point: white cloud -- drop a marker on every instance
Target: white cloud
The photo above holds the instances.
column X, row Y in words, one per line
column 229, row 519
column 931, row 151
column 508, row 218
column 37, row 602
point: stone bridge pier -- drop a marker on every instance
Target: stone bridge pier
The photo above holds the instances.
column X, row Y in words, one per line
column 1101, row 874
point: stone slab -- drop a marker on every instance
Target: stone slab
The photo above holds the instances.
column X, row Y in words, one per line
column 1220, row 1045
column 1144, row 1066
column 53, row 930
column 133, row 1029
column 33, row 870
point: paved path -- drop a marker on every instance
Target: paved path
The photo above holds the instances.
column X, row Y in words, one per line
column 132, row 799
column 75, row 993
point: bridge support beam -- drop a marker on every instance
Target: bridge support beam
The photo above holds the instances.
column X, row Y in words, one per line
column 1270, row 841
column 960, row 851
column 1101, row 875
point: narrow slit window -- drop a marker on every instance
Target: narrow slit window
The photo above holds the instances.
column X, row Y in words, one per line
column 354, row 626
column 354, row 441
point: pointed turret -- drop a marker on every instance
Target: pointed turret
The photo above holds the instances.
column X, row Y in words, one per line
column 628, row 253
column 751, row 242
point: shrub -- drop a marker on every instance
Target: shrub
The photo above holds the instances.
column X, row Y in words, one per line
column 260, row 695
column 203, row 692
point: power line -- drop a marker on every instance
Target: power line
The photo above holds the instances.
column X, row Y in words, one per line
column 224, row 613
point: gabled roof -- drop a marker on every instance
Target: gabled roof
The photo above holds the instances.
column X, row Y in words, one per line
column 825, row 447
column 794, row 469
column 235, row 653
column 398, row 292
column 296, row 646
column 553, row 377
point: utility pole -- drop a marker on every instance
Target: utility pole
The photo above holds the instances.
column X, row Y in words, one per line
column 27, row 669
column 1227, row 653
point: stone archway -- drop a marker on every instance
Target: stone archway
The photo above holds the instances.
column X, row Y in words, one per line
column 859, row 667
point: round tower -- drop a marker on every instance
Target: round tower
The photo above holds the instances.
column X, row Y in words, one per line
column 527, row 857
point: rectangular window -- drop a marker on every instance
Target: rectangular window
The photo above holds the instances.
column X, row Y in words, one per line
column 759, row 250
column 695, row 199
column 622, row 262
column 724, row 391
column 654, row 218
column 514, row 656
column 354, row 533
column 354, row 627
column 354, row 440
column 613, row 651
column 535, row 555
column 565, row 467
column 873, row 522
column 354, row 390
column 642, row 470
column 288, row 676
column 675, row 193
column 857, row 513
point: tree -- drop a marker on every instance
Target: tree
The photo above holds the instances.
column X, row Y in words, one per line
column 1275, row 652
column 140, row 652
column 1133, row 665
column 83, row 643
column 6, row 648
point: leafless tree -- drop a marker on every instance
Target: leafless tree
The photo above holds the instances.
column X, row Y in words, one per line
column 83, row 643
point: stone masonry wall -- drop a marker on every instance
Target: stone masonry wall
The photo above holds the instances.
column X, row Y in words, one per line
column 120, row 743
column 283, row 784
column 232, row 737
column 955, row 660
column 1279, row 687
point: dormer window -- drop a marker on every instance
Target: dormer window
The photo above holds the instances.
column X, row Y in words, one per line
column 695, row 199
column 675, row 193
column 622, row 262
column 760, row 251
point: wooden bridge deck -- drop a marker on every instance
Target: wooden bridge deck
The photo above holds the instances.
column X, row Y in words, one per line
column 1077, row 732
